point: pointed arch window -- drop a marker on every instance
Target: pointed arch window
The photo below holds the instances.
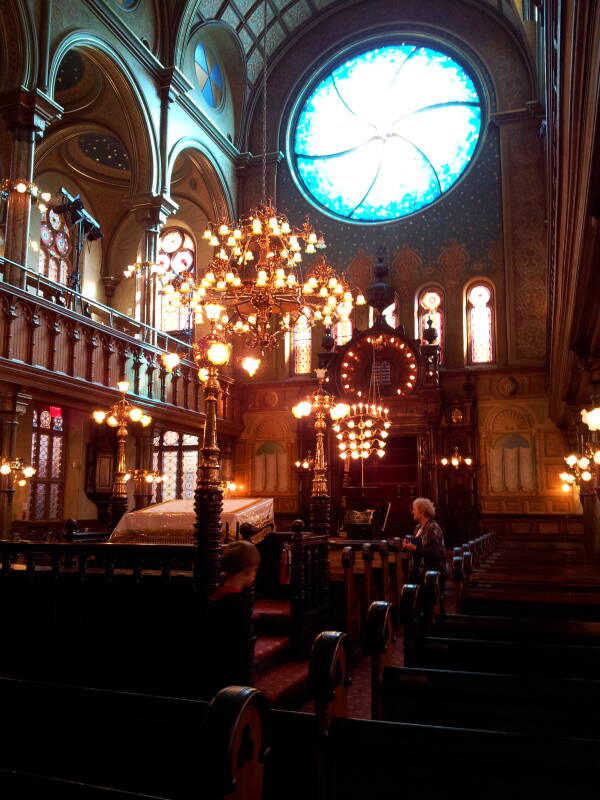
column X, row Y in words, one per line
column 176, row 252
column 302, row 347
column 56, row 244
column 481, row 347
column 47, row 457
column 430, row 308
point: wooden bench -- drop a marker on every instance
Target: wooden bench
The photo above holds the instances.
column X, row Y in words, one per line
column 331, row 756
column 472, row 699
column 71, row 742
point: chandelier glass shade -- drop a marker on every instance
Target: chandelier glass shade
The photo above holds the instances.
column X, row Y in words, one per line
column 255, row 285
column 456, row 459
column 121, row 413
column 363, row 432
column 19, row 470
column 580, row 468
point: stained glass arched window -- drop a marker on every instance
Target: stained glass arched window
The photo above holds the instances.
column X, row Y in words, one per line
column 480, row 324
column 302, row 347
column 430, row 307
column 209, row 76
column 386, row 132
column 46, row 487
column 177, row 253
column 55, row 247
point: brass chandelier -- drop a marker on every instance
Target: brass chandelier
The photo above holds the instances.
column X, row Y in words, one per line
column 364, row 431
column 255, row 286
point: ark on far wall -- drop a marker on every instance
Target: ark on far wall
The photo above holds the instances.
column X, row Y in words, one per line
column 511, row 464
column 271, row 468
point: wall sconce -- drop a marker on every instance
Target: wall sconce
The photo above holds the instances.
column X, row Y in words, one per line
column 19, row 470
column 457, row 460
column 305, row 464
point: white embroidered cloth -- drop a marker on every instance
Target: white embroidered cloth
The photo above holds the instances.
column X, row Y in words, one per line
column 172, row 522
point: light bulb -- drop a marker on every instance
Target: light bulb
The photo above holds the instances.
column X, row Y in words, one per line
column 583, row 462
column 21, row 482
column 123, row 386
column 99, row 416
column 21, row 187
column 565, row 487
column 250, row 365
column 112, row 421
column 218, row 353
column 302, row 409
column 444, row 462
column 28, row 472
column 135, row 414
column 571, row 460
column 149, row 478
column 5, row 469
column 586, row 476
column 145, row 420
column 127, row 476
column 171, row 361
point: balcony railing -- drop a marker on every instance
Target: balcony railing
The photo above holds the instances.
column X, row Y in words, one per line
column 68, row 338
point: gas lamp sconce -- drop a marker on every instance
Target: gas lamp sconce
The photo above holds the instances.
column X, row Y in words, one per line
column 456, row 460
column 19, row 470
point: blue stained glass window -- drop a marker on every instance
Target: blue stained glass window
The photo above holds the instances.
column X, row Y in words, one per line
column 386, row 133
column 209, row 76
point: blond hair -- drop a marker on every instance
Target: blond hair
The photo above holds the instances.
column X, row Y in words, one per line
column 425, row 506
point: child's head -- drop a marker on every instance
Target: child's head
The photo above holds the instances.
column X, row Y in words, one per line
column 240, row 561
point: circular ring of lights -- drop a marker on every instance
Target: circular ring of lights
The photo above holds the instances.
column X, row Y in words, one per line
column 386, row 132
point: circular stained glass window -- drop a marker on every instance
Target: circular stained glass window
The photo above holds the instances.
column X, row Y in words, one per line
column 386, row 133
column 209, row 76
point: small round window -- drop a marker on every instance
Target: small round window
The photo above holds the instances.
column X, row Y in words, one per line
column 386, row 133
column 209, row 76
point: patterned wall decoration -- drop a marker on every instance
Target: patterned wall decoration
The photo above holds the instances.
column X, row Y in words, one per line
column 70, row 71
column 105, row 149
column 527, row 238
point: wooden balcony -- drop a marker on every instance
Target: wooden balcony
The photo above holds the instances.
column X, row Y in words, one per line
column 54, row 339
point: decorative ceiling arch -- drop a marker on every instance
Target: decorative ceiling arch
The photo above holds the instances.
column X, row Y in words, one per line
column 141, row 141
column 222, row 199
column 284, row 19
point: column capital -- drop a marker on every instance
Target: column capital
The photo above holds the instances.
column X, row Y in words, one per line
column 173, row 83
column 152, row 211
column 28, row 113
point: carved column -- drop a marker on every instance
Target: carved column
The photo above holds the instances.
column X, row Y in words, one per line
column 151, row 212
column 13, row 404
column 208, row 497
column 27, row 115
column 118, row 500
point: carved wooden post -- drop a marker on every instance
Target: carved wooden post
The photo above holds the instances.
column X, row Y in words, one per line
column 208, row 498
column 367, row 554
column 350, row 599
column 297, row 577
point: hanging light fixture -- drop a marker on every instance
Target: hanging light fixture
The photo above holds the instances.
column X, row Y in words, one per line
column 364, row 431
column 255, row 285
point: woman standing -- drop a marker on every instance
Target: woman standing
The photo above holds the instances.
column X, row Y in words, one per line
column 427, row 544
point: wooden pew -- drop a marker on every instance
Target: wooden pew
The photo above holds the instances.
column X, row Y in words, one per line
column 66, row 741
column 526, row 704
column 332, row 756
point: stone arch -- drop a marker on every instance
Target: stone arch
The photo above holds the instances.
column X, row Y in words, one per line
column 219, row 191
column 19, row 53
column 142, row 137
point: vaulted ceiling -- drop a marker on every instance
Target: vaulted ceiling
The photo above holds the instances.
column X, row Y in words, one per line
column 284, row 17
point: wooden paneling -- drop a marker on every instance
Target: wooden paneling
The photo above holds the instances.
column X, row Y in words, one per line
column 51, row 348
